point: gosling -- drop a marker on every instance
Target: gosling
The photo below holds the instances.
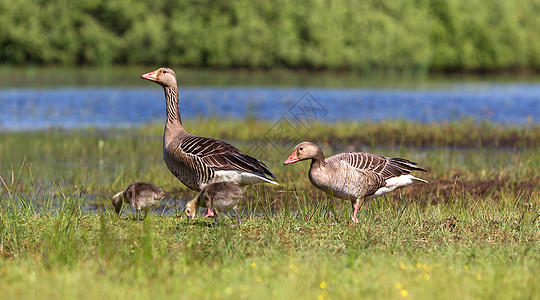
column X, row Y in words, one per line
column 141, row 196
column 220, row 197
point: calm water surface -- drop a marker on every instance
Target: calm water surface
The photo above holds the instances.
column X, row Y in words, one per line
column 74, row 107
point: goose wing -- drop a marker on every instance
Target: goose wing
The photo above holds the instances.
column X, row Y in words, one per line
column 218, row 155
column 386, row 167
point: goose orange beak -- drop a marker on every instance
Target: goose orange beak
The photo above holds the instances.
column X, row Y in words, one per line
column 152, row 76
column 292, row 159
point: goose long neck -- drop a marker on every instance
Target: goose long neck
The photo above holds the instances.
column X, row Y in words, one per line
column 318, row 160
column 173, row 112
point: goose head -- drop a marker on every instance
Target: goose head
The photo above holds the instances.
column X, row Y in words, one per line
column 191, row 209
column 163, row 76
column 303, row 151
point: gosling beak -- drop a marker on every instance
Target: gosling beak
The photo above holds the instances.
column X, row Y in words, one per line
column 292, row 159
column 152, row 76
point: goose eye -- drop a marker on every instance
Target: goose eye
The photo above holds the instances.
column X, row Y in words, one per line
column 163, row 71
column 301, row 148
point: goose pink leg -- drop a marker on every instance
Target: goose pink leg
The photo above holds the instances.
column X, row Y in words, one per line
column 209, row 213
column 355, row 206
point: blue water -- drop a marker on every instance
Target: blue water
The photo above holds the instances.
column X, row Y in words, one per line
column 27, row 109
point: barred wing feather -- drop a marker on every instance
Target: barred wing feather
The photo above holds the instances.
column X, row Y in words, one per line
column 218, row 155
column 384, row 166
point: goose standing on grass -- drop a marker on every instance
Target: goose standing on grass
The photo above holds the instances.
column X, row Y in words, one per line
column 220, row 197
column 197, row 161
column 141, row 196
column 355, row 176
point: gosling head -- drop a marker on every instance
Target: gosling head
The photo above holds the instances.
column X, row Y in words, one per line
column 190, row 210
column 160, row 194
column 117, row 200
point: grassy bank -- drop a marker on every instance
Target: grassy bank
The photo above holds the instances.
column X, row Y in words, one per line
column 410, row 37
column 477, row 251
column 465, row 133
column 473, row 232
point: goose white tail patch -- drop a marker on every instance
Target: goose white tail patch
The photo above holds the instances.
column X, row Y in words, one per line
column 241, row 178
column 396, row 183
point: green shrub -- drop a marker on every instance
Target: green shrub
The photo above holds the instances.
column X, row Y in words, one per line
column 436, row 35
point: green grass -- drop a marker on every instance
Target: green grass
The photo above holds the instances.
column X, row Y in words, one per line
column 473, row 232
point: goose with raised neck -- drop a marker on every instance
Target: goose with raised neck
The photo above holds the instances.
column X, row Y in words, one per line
column 197, row 161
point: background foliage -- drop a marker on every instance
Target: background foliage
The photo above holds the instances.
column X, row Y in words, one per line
column 420, row 35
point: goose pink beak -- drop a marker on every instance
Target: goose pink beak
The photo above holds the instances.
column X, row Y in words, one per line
column 152, row 76
column 292, row 159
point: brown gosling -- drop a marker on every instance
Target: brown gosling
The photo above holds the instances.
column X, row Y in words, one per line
column 141, row 196
column 220, row 197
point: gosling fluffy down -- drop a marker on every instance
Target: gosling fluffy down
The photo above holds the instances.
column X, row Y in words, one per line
column 220, row 197
column 140, row 195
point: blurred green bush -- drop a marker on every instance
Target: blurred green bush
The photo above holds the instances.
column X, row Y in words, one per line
column 407, row 35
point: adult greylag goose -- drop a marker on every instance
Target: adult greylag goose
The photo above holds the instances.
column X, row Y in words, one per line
column 220, row 197
column 197, row 161
column 141, row 196
column 355, row 176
